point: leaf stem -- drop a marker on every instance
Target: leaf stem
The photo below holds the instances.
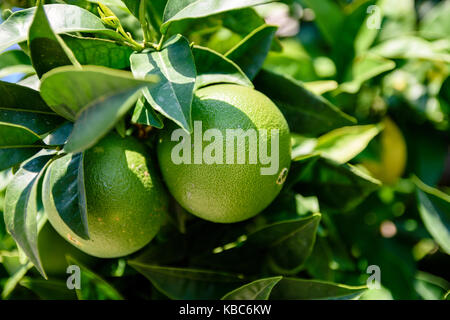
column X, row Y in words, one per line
column 144, row 22
column 161, row 41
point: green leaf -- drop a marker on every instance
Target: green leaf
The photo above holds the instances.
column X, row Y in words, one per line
column 10, row 157
column 60, row 135
column 256, row 290
column 93, row 287
column 12, row 135
column 410, row 47
column 434, row 208
column 172, row 250
column 175, row 67
column 23, row 106
column 14, row 61
column 32, row 82
column 14, row 280
column 345, row 143
column 47, row 49
column 337, row 186
column 17, row 143
column 68, row 193
column 289, row 243
column 430, row 287
column 319, row 87
column 68, row 90
column 177, row 10
column 232, row 20
column 99, row 117
column 305, row 112
column 99, row 52
column 63, row 18
column 188, row 284
column 212, row 68
column 435, row 24
column 48, row 289
column 365, row 37
column 23, row 205
column 251, row 52
column 365, row 68
column 144, row 114
column 300, row 289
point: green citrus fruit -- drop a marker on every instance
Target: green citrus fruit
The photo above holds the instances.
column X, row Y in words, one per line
column 53, row 251
column 126, row 202
column 393, row 155
column 219, row 190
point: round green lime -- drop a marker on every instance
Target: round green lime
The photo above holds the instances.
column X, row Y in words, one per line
column 220, row 190
column 126, row 202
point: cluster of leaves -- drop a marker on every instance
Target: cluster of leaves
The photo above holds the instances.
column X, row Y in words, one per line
column 94, row 66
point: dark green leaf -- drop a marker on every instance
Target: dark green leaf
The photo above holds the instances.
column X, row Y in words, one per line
column 300, row 289
column 305, row 112
column 23, row 106
column 63, row 18
column 60, row 135
column 251, row 52
column 99, row 52
column 188, row 284
column 93, row 287
column 329, row 18
column 177, row 10
column 23, row 206
column 68, row 193
column 434, row 208
column 289, row 243
column 14, row 61
column 256, row 290
column 47, row 49
column 233, row 20
column 17, row 143
column 212, row 67
column 175, row 67
column 144, row 114
column 49, row 289
column 337, row 186
column 284, row 246
column 21, row 98
column 10, row 157
column 14, row 279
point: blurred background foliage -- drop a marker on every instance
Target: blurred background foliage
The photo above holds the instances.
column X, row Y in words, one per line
column 384, row 62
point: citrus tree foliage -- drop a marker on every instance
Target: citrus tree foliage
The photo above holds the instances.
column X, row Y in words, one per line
column 364, row 88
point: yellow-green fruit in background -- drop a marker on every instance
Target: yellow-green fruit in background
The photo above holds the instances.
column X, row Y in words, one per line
column 225, row 192
column 53, row 251
column 126, row 201
column 393, row 154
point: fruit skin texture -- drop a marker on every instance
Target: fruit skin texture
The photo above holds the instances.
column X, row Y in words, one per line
column 393, row 154
column 226, row 193
column 126, row 202
column 53, row 250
